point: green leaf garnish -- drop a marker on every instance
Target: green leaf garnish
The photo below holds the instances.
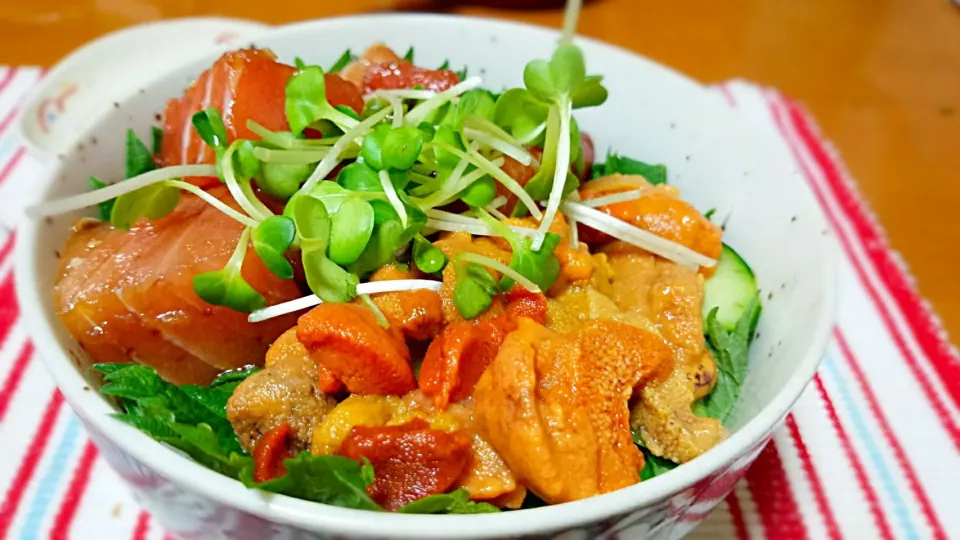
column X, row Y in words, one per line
column 730, row 351
column 652, row 465
column 371, row 150
column 408, row 56
column 350, row 230
column 227, row 287
column 444, row 65
column 332, row 480
column 655, row 174
column 478, row 102
column 307, row 103
column 428, row 258
column 271, row 240
column 341, row 62
column 473, row 290
column 457, row 502
column 156, row 136
column 245, row 163
column 106, row 207
column 190, row 418
column 299, row 63
column 152, row 202
column 139, row 158
column 522, row 115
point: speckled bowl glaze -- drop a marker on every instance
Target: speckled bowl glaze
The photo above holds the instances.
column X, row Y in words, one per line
column 654, row 114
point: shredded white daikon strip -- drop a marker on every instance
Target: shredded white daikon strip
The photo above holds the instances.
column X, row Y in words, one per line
column 393, row 197
column 498, row 201
column 480, row 123
column 449, row 188
column 374, row 287
column 451, row 217
column 614, row 198
column 518, row 153
column 291, row 157
column 636, row 236
column 532, row 136
column 574, row 230
column 420, row 112
column 498, row 174
column 494, row 264
column 478, row 228
column 399, row 94
column 90, row 198
column 331, row 160
column 561, row 170
column 495, row 212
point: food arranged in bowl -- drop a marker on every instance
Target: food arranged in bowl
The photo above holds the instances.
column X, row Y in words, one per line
column 382, row 286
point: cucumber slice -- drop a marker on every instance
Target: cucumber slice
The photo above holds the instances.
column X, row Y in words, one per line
column 729, row 289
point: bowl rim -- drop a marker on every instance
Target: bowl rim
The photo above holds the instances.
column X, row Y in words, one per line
column 189, row 475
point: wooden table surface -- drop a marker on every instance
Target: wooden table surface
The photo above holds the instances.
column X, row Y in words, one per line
column 880, row 76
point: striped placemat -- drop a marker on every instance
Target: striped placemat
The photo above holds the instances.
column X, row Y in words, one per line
column 870, row 451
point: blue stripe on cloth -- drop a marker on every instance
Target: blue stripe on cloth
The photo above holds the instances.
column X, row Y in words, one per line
column 852, row 405
column 49, row 484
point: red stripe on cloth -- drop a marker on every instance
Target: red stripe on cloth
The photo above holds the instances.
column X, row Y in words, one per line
column 829, row 520
column 12, row 163
column 9, row 308
column 770, row 490
column 929, row 391
column 902, row 462
column 736, row 515
column 7, row 246
column 143, row 526
column 920, row 319
column 14, row 495
column 8, row 119
column 15, row 377
column 879, row 518
column 78, row 486
column 7, row 78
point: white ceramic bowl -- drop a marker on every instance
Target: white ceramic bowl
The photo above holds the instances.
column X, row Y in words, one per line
column 654, row 114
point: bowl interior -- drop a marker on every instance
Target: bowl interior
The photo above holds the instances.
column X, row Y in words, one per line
column 654, row 114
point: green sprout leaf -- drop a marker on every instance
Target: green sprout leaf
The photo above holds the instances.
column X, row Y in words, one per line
column 539, row 266
column 299, row 63
column 457, row 502
column 539, row 186
column 400, row 148
column 473, row 290
column 341, row 62
column 480, row 193
column 209, row 125
column 282, row 180
column 567, row 69
column 106, row 207
column 444, row 65
column 428, row 258
column 446, row 134
column 589, row 94
column 152, row 202
column 328, row 280
column 306, row 102
column 381, row 248
column 139, row 158
column 358, row 176
column 371, row 150
column 408, row 56
column 521, row 114
column 730, row 351
column 227, row 287
column 479, row 102
column 245, row 164
column 350, row 230
column 271, row 240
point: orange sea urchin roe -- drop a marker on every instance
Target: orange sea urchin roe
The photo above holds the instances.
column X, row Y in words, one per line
column 411, row 460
